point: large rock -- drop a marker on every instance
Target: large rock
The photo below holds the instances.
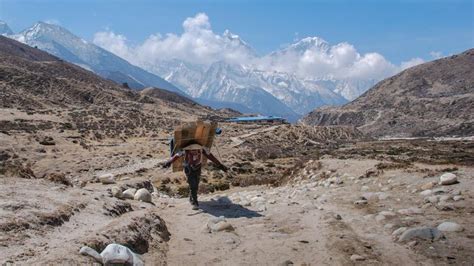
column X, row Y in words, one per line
column 448, row 179
column 129, row 193
column 113, row 254
column 143, row 195
column 450, row 227
column 427, row 233
column 118, row 254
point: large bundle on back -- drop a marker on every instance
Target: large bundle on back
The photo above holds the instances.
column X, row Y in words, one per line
column 198, row 132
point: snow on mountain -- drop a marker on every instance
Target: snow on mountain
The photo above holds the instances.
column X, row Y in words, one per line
column 63, row 44
column 4, row 29
column 223, row 82
column 347, row 88
column 303, row 45
column 213, row 81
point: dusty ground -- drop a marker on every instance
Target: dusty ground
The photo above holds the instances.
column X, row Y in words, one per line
column 289, row 196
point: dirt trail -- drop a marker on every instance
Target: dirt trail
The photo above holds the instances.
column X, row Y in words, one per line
column 297, row 227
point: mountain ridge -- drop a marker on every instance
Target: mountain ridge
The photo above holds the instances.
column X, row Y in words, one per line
column 64, row 44
column 431, row 99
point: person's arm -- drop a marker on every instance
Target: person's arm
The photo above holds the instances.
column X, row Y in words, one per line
column 172, row 159
column 211, row 157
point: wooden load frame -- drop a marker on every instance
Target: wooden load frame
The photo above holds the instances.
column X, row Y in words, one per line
column 198, row 132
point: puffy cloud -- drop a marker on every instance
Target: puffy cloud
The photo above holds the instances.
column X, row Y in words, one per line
column 114, row 43
column 309, row 58
column 197, row 44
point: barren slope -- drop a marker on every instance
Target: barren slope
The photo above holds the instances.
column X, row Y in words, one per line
column 432, row 99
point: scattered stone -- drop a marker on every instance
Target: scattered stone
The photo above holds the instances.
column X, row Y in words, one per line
column 426, row 205
column 457, row 198
column 456, row 192
column 364, row 188
column 129, row 193
column 360, row 202
column 356, row 257
column 143, row 195
column 219, row 224
column 384, row 215
column 445, row 206
column 399, row 231
column 425, row 193
column 107, row 179
column 410, row 211
column 412, row 243
column 286, row 263
column 230, row 241
column 428, row 186
column 427, row 233
column 47, row 141
column 448, row 179
column 389, row 226
column 117, row 192
column 337, row 217
column 382, row 196
column 445, row 198
column 439, row 191
column 450, row 227
column 432, row 199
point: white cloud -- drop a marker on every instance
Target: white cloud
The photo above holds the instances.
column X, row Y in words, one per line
column 411, row 63
column 199, row 44
column 114, row 43
column 436, row 54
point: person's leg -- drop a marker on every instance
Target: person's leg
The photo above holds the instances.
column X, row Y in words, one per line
column 193, row 177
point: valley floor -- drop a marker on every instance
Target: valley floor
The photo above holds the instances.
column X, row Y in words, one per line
column 356, row 203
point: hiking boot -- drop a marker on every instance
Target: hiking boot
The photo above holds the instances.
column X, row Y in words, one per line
column 195, row 206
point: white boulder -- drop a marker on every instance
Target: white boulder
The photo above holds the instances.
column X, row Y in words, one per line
column 143, row 195
column 129, row 193
column 450, row 227
column 448, row 179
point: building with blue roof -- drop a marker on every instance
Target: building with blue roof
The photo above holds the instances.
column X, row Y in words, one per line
column 257, row 119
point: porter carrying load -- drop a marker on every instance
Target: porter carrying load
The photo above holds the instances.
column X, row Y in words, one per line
column 190, row 150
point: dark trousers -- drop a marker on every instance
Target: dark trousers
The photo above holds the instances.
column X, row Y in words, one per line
column 193, row 176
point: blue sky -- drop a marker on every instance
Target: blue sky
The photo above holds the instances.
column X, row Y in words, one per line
column 399, row 30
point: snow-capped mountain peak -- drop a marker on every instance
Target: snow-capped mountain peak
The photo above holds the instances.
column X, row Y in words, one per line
column 60, row 42
column 305, row 44
column 235, row 42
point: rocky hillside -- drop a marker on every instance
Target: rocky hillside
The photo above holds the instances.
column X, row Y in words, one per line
column 34, row 81
column 432, row 99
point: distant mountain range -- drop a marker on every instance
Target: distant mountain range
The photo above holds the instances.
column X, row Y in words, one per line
column 245, row 88
column 431, row 99
column 65, row 45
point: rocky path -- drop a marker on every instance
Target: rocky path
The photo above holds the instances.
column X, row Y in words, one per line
column 339, row 220
column 276, row 226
